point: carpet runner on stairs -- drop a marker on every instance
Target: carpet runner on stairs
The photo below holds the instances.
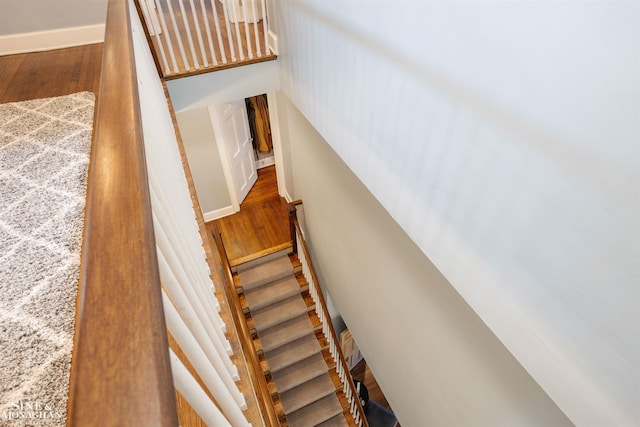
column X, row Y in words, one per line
column 291, row 349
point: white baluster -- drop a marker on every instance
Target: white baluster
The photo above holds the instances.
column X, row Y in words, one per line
column 255, row 28
column 216, row 21
column 265, row 27
column 189, row 38
column 165, row 31
column 196, row 22
column 226, row 392
column 178, row 38
column 194, row 394
column 246, row 29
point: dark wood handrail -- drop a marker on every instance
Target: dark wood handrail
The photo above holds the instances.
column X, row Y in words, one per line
column 121, row 373
column 321, row 302
column 253, row 364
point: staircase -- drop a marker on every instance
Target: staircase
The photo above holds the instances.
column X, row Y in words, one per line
column 292, row 348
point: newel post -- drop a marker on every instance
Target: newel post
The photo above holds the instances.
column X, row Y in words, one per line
column 293, row 215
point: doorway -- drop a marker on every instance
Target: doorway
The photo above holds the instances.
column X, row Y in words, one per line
column 260, row 127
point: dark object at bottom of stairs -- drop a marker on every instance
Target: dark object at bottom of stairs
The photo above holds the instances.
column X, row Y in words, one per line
column 379, row 416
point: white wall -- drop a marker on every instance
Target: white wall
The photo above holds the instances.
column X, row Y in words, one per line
column 35, row 25
column 436, row 361
column 204, row 160
column 503, row 138
column 27, row 16
column 223, row 86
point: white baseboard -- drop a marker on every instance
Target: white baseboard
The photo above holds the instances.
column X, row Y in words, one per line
column 263, row 163
column 287, row 197
column 219, row 213
column 53, row 39
column 273, row 42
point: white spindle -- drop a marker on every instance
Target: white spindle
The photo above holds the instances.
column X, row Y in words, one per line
column 237, row 27
column 204, row 333
column 214, row 8
column 265, row 27
column 205, row 16
column 195, row 395
column 189, row 38
column 176, row 30
column 165, row 31
column 225, row 9
column 187, row 253
column 196, row 23
column 225, row 391
column 247, row 36
column 255, row 28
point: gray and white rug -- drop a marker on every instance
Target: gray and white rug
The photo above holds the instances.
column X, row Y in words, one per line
column 44, row 158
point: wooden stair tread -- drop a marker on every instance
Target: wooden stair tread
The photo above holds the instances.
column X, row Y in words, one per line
column 307, row 393
column 278, row 313
column 271, row 293
column 299, row 372
column 315, row 413
column 285, row 333
column 337, row 421
column 266, row 272
column 293, row 352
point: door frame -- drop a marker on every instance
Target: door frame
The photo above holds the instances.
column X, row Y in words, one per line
column 224, row 158
column 226, row 163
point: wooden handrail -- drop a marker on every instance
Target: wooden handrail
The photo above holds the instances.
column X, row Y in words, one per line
column 321, row 302
column 253, row 364
column 291, row 208
column 121, row 373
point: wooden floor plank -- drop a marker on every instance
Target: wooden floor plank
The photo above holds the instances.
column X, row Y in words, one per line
column 50, row 73
column 262, row 223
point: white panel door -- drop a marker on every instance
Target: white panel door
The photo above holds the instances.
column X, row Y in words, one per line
column 234, row 127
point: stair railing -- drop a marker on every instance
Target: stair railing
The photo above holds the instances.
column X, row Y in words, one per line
column 267, row 409
column 300, row 248
column 121, row 372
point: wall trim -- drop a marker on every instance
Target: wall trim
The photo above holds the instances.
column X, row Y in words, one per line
column 218, row 213
column 263, row 163
column 52, row 39
column 273, row 42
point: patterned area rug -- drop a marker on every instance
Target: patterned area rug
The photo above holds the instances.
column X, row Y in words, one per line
column 44, row 157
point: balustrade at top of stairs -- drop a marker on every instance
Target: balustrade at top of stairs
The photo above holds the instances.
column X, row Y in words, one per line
column 304, row 390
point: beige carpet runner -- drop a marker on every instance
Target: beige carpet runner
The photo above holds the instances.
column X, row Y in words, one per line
column 291, row 349
column 44, row 157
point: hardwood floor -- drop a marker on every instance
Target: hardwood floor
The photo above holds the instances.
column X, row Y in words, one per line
column 51, row 73
column 261, row 225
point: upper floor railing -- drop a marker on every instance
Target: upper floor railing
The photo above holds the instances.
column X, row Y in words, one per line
column 194, row 36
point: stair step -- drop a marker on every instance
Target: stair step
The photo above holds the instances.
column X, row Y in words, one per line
column 272, row 293
column 315, row 413
column 266, row 272
column 285, row 332
column 264, row 258
column 300, row 372
column 307, row 393
column 337, row 421
column 277, row 313
column 292, row 352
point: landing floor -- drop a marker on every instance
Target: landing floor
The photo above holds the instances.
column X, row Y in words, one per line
column 261, row 224
column 51, row 73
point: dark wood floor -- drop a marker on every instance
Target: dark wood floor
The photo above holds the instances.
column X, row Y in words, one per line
column 261, row 226
column 51, row 73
